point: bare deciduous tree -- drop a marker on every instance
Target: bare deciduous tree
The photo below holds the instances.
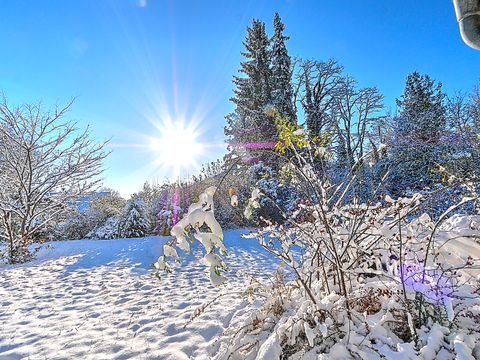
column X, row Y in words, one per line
column 317, row 85
column 355, row 109
column 45, row 163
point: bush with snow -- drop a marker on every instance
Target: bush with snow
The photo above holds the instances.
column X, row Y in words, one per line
column 199, row 223
column 109, row 230
column 370, row 282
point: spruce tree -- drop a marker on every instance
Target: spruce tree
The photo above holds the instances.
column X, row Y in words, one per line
column 417, row 146
column 250, row 127
column 134, row 222
column 282, row 91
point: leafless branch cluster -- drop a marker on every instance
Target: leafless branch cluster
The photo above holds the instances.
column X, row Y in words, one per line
column 334, row 104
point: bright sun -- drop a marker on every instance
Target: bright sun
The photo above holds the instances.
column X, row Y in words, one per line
column 177, row 147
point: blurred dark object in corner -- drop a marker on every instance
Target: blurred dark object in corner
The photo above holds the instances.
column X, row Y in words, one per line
column 468, row 17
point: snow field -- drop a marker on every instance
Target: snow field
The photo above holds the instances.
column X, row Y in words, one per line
column 98, row 300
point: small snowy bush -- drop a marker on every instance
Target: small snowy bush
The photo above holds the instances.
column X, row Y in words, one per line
column 109, row 230
column 199, row 223
column 370, row 282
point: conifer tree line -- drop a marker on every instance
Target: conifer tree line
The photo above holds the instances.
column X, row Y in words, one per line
column 431, row 138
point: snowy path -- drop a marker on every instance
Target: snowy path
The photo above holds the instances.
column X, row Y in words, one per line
column 97, row 300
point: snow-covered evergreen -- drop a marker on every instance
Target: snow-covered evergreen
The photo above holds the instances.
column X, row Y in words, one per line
column 282, row 91
column 418, row 147
column 133, row 221
column 250, row 127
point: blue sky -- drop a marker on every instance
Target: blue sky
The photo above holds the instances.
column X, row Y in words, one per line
column 131, row 63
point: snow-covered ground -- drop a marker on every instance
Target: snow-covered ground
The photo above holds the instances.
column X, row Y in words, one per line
column 97, row 299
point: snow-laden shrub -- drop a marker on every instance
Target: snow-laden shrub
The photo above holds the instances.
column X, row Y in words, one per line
column 228, row 183
column 368, row 284
column 109, row 230
column 133, row 221
column 371, row 280
column 278, row 193
column 199, row 223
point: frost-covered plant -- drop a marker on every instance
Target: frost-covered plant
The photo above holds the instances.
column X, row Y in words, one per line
column 198, row 223
column 369, row 279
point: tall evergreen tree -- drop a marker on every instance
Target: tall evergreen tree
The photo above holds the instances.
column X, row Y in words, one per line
column 250, row 126
column 282, row 90
column 422, row 111
column 417, row 145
